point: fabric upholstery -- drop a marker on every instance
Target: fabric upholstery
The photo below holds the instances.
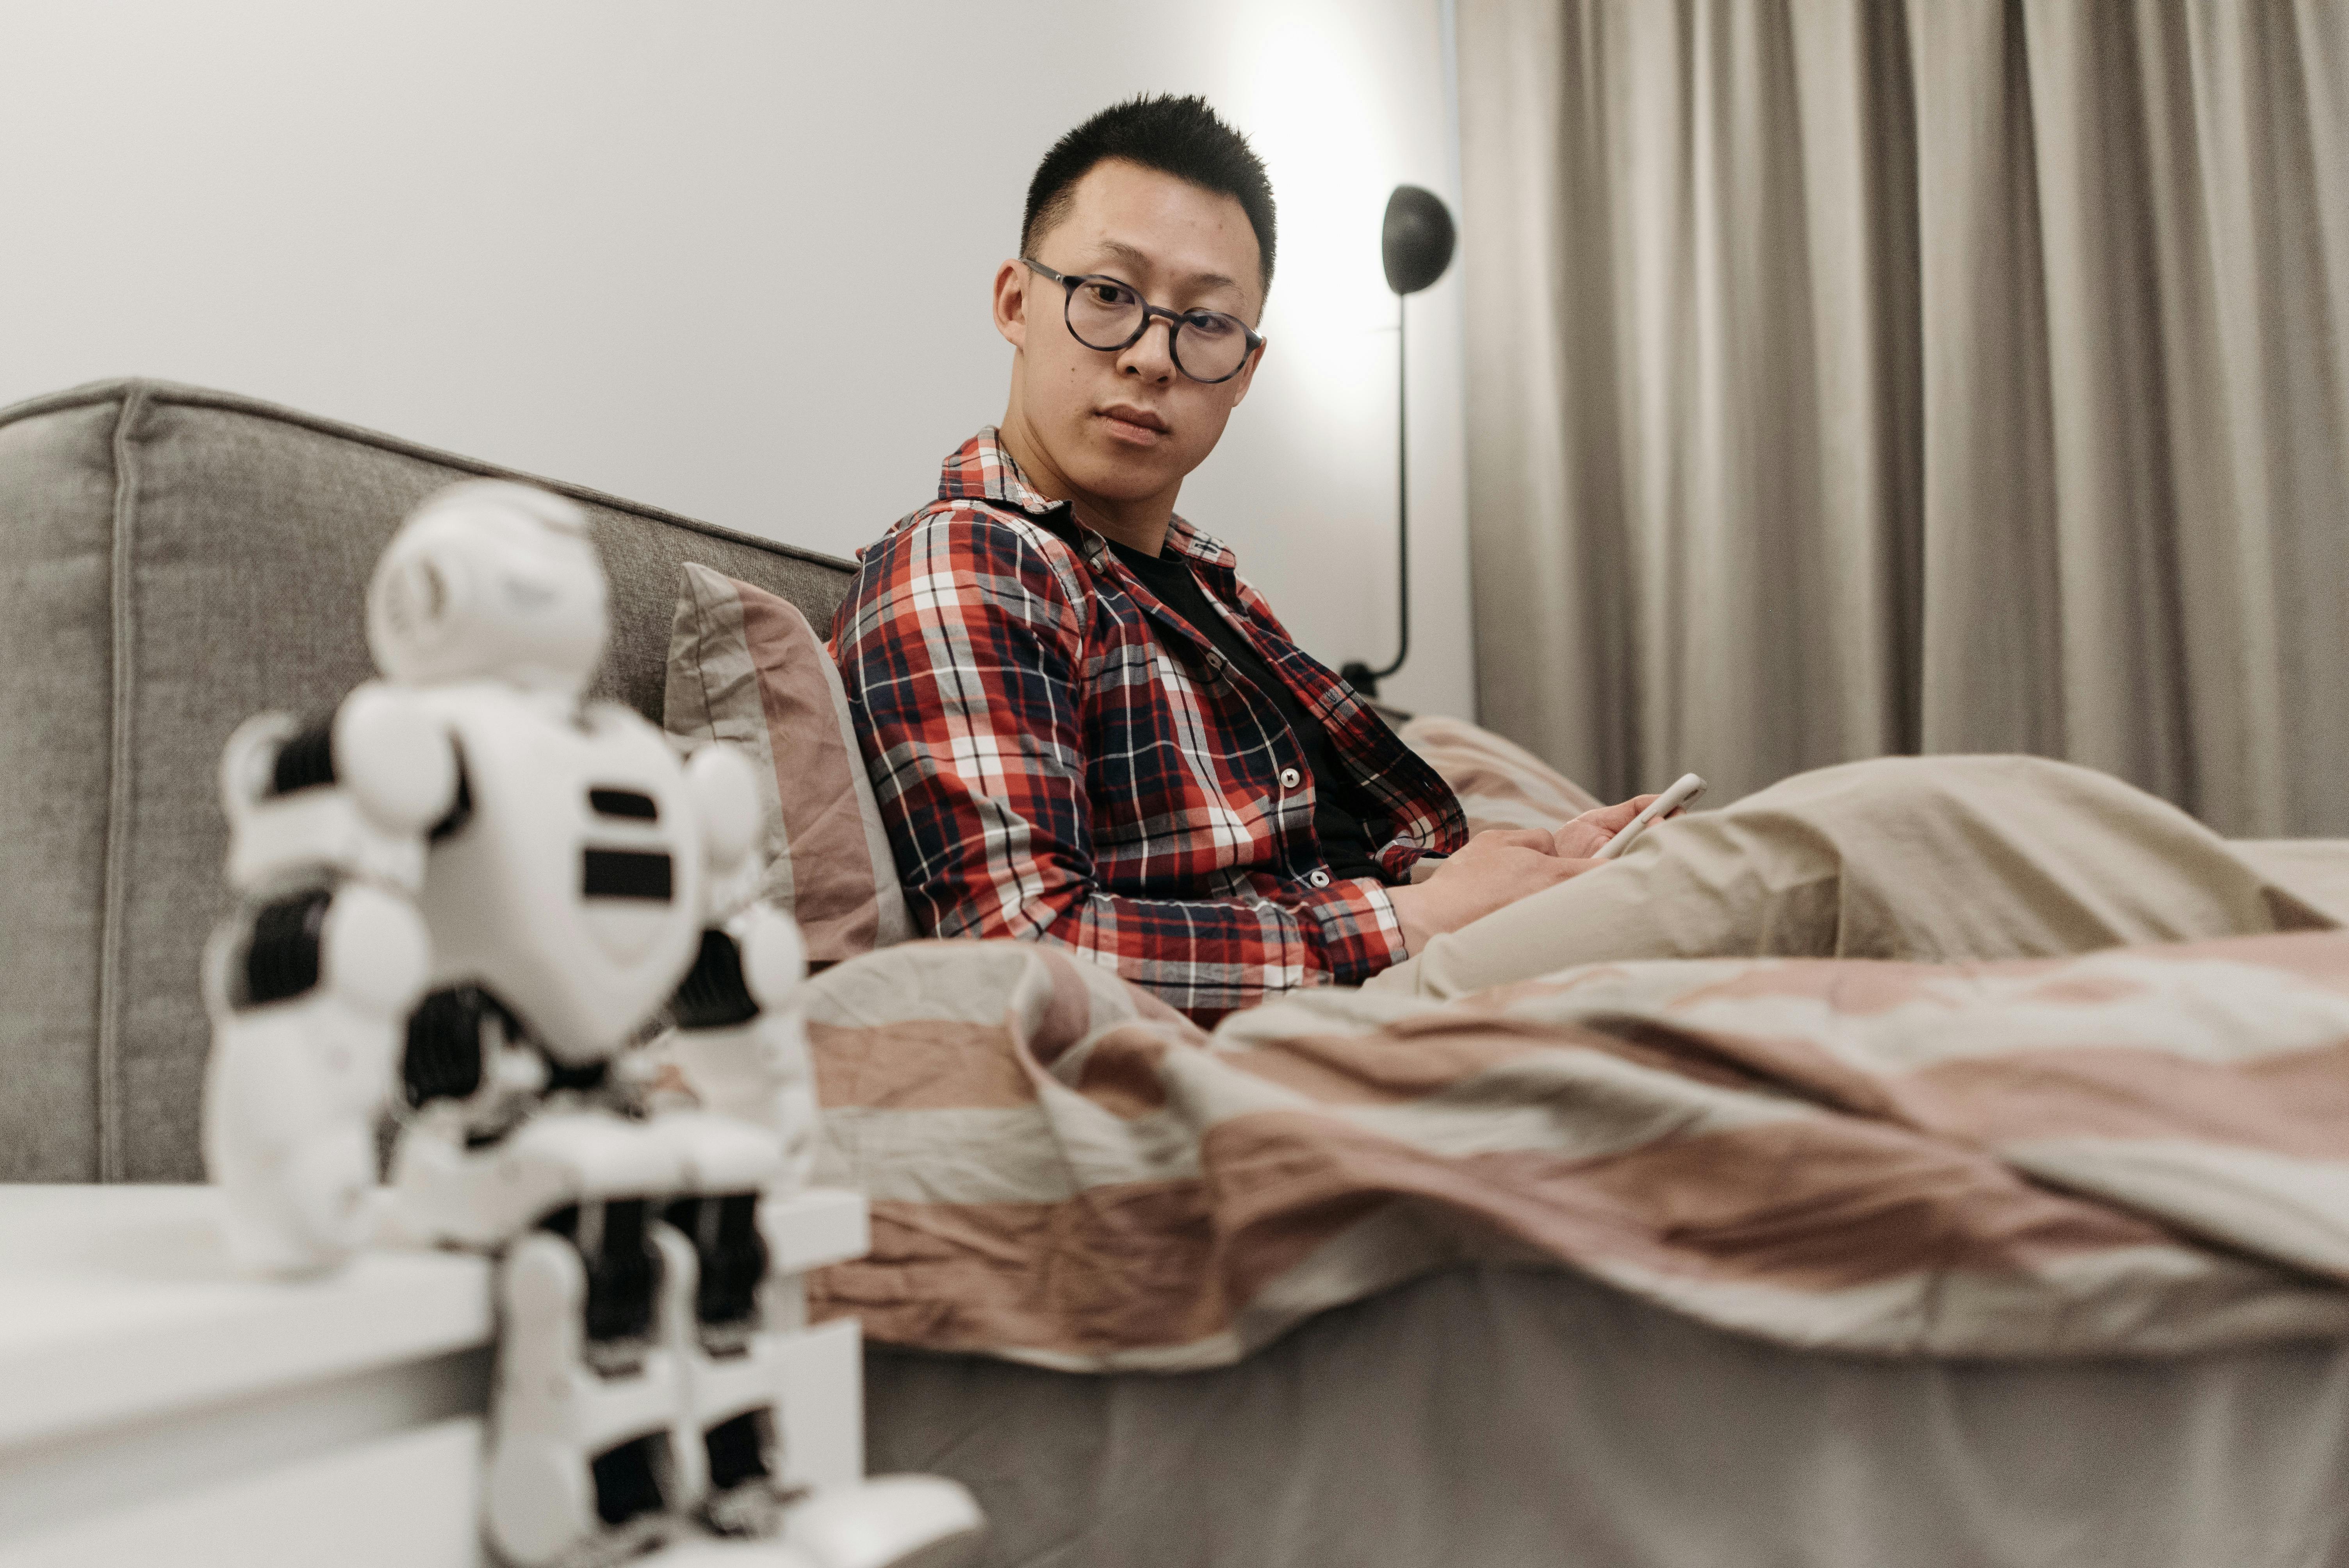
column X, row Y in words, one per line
column 176, row 560
column 745, row 667
column 56, row 505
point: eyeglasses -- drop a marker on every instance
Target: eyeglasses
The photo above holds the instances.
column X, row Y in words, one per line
column 1105, row 314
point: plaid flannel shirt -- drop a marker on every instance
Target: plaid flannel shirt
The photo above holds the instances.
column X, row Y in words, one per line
column 1058, row 755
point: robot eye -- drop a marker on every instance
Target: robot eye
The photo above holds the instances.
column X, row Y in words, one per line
column 611, row 802
column 415, row 599
column 625, row 873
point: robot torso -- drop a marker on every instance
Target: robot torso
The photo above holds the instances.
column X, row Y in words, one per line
column 567, row 881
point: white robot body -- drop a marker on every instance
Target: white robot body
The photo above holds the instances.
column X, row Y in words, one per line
column 759, row 1072
column 288, row 1105
column 473, row 893
column 371, row 830
column 555, row 1405
column 570, row 885
column 483, row 1196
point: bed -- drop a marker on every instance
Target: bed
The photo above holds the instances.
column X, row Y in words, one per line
column 1990, row 1339
column 1505, row 1415
column 1483, row 1411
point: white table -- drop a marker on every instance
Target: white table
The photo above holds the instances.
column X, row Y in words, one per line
column 158, row 1407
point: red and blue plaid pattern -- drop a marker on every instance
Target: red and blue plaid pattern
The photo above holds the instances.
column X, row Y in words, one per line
column 1058, row 755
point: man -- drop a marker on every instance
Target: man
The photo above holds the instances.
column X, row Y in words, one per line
column 1084, row 727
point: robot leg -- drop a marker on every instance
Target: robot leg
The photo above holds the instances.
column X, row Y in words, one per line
column 729, row 1358
column 731, row 1349
column 728, row 1371
column 591, row 1462
column 743, row 1048
column 307, row 996
column 732, row 1357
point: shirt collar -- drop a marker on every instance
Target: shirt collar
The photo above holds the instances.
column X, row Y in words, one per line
column 1199, row 544
column 981, row 469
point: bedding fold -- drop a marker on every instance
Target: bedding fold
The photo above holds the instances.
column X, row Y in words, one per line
column 2143, row 1151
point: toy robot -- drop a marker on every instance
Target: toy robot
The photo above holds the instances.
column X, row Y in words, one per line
column 471, row 890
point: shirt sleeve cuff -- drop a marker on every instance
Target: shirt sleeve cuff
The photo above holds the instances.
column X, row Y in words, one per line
column 1360, row 936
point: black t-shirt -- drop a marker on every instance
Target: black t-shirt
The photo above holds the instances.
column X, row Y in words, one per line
column 1339, row 811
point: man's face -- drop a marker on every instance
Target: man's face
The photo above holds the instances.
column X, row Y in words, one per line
column 1123, row 427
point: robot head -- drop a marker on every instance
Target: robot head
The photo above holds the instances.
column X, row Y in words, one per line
column 489, row 581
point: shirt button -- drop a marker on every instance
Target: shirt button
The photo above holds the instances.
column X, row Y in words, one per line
column 1215, row 661
column 1318, row 878
column 1290, row 777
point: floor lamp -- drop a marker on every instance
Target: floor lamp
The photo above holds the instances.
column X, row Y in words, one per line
column 1416, row 245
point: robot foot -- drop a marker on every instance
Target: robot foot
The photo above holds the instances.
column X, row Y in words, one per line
column 889, row 1522
column 742, row 1500
column 892, row 1521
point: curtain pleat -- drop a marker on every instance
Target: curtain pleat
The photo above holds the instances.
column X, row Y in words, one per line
column 1850, row 379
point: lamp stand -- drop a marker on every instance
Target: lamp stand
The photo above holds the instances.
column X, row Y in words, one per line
column 1358, row 674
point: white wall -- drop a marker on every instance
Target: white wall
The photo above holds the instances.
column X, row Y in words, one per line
column 726, row 258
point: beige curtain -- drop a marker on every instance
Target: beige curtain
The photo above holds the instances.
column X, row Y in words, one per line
column 1848, row 377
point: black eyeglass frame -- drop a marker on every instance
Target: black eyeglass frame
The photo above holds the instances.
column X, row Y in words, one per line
column 1176, row 321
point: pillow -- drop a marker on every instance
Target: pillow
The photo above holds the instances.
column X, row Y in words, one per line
column 1500, row 783
column 745, row 667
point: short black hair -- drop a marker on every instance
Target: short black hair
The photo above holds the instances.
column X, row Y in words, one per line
column 1177, row 136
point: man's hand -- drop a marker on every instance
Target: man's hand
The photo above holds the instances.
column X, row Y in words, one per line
column 1588, row 834
column 1502, row 865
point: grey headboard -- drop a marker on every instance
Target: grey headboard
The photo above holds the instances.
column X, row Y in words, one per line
column 172, row 560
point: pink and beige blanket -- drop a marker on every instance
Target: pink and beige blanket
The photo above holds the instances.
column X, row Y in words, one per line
column 2144, row 1150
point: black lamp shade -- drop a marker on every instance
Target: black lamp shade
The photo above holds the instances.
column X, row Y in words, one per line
column 1417, row 241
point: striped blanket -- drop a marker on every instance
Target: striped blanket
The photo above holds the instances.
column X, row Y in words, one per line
column 2139, row 1151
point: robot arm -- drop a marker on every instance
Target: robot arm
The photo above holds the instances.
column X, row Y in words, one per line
column 355, row 796
column 739, row 1042
column 310, row 983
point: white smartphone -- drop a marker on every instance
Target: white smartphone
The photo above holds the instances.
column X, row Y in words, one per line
column 1685, row 788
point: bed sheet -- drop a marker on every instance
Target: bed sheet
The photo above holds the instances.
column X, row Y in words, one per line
column 2317, row 870
column 1501, row 1416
